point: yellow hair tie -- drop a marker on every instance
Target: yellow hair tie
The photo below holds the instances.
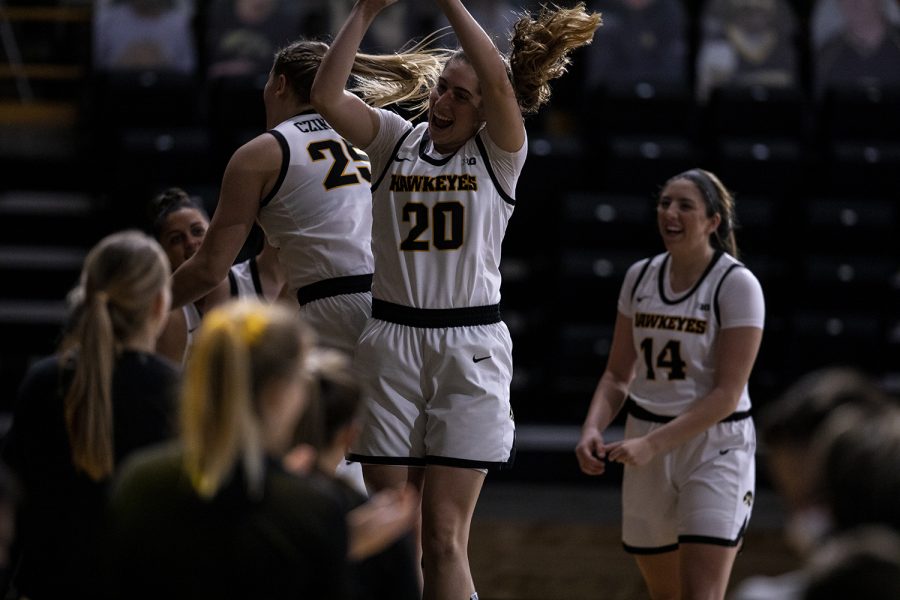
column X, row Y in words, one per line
column 250, row 327
column 255, row 324
column 217, row 319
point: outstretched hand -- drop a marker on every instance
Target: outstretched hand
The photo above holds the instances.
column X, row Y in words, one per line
column 385, row 518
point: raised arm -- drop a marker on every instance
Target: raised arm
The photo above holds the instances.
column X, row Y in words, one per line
column 503, row 118
column 352, row 118
column 250, row 175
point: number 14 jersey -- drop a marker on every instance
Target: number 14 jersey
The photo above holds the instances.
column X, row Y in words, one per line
column 675, row 335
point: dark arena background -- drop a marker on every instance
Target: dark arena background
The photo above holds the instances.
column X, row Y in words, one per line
column 814, row 164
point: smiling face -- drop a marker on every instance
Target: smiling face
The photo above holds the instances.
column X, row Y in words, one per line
column 682, row 217
column 182, row 233
column 454, row 107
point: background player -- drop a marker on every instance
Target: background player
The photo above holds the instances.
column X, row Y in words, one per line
column 688, row 329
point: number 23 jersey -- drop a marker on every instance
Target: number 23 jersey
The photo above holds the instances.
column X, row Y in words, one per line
column 319, row 212
column 675, row 335
column 438, row 221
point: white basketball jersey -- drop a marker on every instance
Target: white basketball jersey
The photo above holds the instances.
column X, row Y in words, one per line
column 675, row 334
column 319, row 214
column 192, row 320
column 439, row 221
column 243, row 278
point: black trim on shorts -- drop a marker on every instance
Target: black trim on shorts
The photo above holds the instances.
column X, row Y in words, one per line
column 336, row 286
column 690, row 539
column 386, row 460
column 656, row 550
column 435, row 317
column 705, row 539
column 462, row 463
column 645, row 415
column 443, row 461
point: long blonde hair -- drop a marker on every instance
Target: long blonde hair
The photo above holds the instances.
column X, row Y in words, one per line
column 405, row 77
column 121, row 278
column 539, row 52
column 243, row 346
column 540, row 46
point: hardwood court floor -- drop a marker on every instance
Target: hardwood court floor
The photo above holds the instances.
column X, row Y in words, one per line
column 548, row 541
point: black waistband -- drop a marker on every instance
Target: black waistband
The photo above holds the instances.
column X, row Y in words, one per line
column 435, row 317
column 645, row 415
column 351, row 284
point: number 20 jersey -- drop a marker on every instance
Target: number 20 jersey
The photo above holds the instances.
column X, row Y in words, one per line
column 675, row 335
column 438, row 221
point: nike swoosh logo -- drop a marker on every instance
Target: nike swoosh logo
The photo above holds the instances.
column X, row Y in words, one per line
column 478, row 359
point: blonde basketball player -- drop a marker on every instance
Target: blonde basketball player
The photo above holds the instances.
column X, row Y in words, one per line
column 436, row 352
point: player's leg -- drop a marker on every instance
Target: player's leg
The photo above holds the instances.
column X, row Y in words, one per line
column 650, row 518
column 381, row 477
column 705, row 569
column 661, row 574
column 448, row 502
column 715, row 506
column 469, row 429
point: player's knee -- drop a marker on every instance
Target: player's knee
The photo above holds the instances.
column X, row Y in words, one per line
column 443, row 541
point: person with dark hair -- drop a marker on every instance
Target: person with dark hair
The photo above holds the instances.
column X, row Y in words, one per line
column 863, row 562
column 687, row 332
column 435, row 353
column 853, row 495
column 180, row 223
column 81, row 412
column 787, row 430
column 832, row 444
